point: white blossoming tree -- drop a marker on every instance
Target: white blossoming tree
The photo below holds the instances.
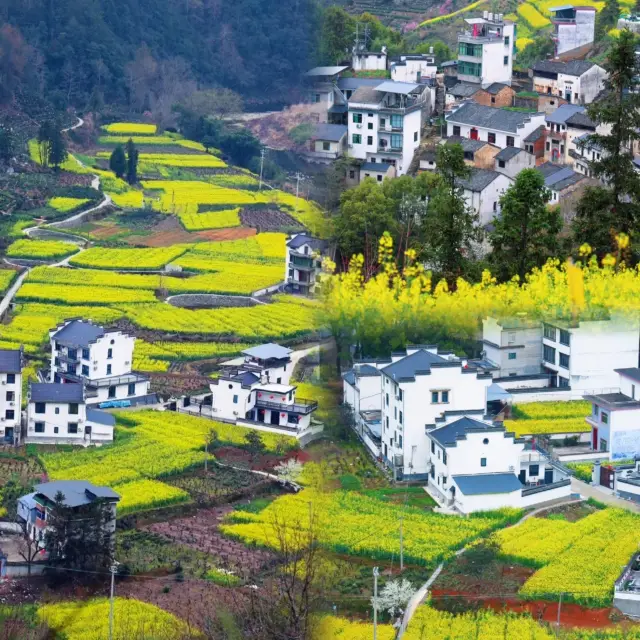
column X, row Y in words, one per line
column 394, row 596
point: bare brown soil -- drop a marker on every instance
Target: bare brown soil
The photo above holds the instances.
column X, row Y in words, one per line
column 268, row 219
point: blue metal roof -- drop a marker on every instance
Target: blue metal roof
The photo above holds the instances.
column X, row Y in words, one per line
column 54, row 392
column 487, row 483
column 10, row 361
column 350, row 377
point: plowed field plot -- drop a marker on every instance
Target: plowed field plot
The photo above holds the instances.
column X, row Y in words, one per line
column 266, row 219
column 200, row 531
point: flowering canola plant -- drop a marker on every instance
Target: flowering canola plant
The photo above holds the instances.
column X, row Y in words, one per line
column 7, row 276
column 65, row 294
column 335, row 628
column 110, row 258
column 41, row 249
column 67, row 204
column 132, row 128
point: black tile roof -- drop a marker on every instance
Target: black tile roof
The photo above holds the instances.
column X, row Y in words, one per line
column 76, row 492
column 490, row 117
column 448, row 435
column 508, row 152
column 330, row 132
column 467, row 144
column 536, row 134
column 406, row 368
column 487, row 483
column 10, row 361
column 301, row 239
column 479, row 179
column 496, row 88
column 79, row 332
column 54, row 392
column 630, row 372
column 572, row 67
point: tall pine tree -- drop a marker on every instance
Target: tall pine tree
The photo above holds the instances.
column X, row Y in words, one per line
column 118, row 161
column 57, row 145
column 132, row 162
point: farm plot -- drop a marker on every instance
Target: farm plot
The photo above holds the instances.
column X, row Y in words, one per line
column 219, row 219
column 264, row 247
column 532, row 16
column 149, row 445
column 334, row 628
column 131, row 259
column 7, row 276
column 131, row 128
column 535, row 418
column 351, row 523
column 190, row 160
column 137, row 139
column 65, row 294
column 41, row 249
column 578, row 559
column 66, row 205
column 188, row 350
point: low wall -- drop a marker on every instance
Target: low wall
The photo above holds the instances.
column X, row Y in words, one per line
column 20, row 569
column 628, row 603
column 209, row 301
column 540, row 495
column 579, row 457
column 264, row 292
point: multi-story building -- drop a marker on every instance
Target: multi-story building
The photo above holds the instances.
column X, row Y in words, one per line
column 482, row 191
column 422, row 389
column 586, row 152
column 58, row 414
column 513, row 345
column 84, row 352
column 512, row 160
column 477, row 466
column 499, row 127
column 413, row 67
column 615, row 417
column 304, row 263
column 10, row 395
column 485, row 50
column 564, row 125
column 362, row 391
column 272, row 360
column 576, row 81
column 573, row 29
column 34, row 508
column 584, row 356
column 385, row 123
column 322, row 91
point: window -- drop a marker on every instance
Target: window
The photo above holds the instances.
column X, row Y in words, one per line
column 41, row 407
column 400, row 441
column 396, row 141
column 73, row 408
column 55, row 429
column 505, row 61
column 72, row 353
column 400, row 418
column 483, row 462
column 11, row 378
column 604, row 417
column 72, row 427
column 387, row 421
column 433, row 447
column 352, row 174
column 85, row 354
column 491, row 136
column 434, row 397
column 379, row 178
column 10, row 396
column 633, row 391
column 595, row 410
column 369, row 141
column 383, row 123
column 112, row 392
column 57, row 346
column 386, row 399
column 444, row 481
column 549, row 332
column 432, row 473
column 485, row 441
column 456, row 130
column 549, row 354
column 57, row 411
column 56, row 362
column 495, row 206
column 395, row 413
column 357, row 118
column 109, row 353
column 399, row 394
column 108, row 369
column 512, row 355
column 438, row 454
column 439, row 397
column 326, row 146
column 564, row 360
column 356, row 138
column 603, row 444
column 501, row 164
column 506, row 41
column 39, row 426
column 444, row 457
column 511, row 141
column 370, row 115
column 85, row 370
column 563, row 382
column 10, row 414
column 534, row 470
column 370, row 125
column 415, row 136
column 565, row 337
column 235, row 399
column 493, row 100
column 316, row 98
column 445, row 396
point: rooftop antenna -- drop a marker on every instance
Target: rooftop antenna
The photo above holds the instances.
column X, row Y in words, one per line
column 361, row 42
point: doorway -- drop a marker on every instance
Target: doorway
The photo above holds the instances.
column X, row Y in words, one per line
column 8, row 434
column 522, row 476
column 275, row 417
column 594, row 439
column 473, row 134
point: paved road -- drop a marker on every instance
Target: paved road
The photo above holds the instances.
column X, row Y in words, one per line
column 8, row 297
column 603, row 495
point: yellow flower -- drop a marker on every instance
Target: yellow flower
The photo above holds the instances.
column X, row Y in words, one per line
column 622, row 240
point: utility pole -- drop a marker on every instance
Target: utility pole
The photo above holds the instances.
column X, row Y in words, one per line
column 206, row 453
column 559, row 609
column 262, row 152
column 376, row 573
column 401, row 546
column 298, row 176
column 114, row 568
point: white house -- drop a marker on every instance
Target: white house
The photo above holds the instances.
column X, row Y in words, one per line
column 567, row 123
column 271, row 360
column 385, row 122
column 501, row 127
column 577, row 81
column 34, row 508
column 58, row 414
column 10, row 395
column 362, row 60
column 477, row 466
column 101, row 360
column 586, row 151
column 584, row 356
column 379, row 171
column 413, row 68
column 321, row 89
column 328, row 143
column 513, row 345
column 485, row 50
column 421, row 389
column 482, row 191
column 615, row 417
column 573, row 29
column 512, row 160
column 561, row 181
column 304, row 262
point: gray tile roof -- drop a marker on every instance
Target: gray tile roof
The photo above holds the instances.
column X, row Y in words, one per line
column 581, row 120
column 375, row 166
column 268, row 351
column 536, row 134
column 487, row 483
column 490, row 117
column 367, row 370
column 353, row 83
column 496, row 88
column 449, row 434
column 563, row 113
column 572, row 68
column 558, row 177
column 301, row 239
column 10, row 361
column 246, row 378
column 76, row 492
column 406, row 368
column 79, row 332
column 330, row 132
column 350, row 377
column 630, row 372
column 400, row 88
column 508, row 152
column 464, row 90
column 479, row 179
column 366, row 95
column 325, row 71
column 53, row 392
column 467, row 144
column 101, row 417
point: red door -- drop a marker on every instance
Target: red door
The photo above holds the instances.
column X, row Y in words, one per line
column 594, row 443
column 473, row 134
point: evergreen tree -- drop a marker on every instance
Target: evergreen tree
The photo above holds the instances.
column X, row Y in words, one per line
column 618, row 113
column 118, row 161
column 453, row 230
column 57, row 145
column 594, row 222
column 132, row 162
column 607, row 19
column 338, row 33
column 44, row 142
column 526, row 232
column 6, row 144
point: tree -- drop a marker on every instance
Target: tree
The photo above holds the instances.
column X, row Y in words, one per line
column 393, row 597
column 636, row 8
column 118, row 161
column 526, row 231
column 337, row 36
column 28, row 546
column 132, row 162
column 452, row 225
column 214, row 102
column 288, row 470
column 6, row 144
column 441, row 51
column 254, row 443
column 44, row 141
column 594, row 222
column 57, row 145
column 607, row 19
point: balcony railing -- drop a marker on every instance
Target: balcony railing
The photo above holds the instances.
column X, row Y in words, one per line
column 546, row 487
column 301, row 406
column 389, row 149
